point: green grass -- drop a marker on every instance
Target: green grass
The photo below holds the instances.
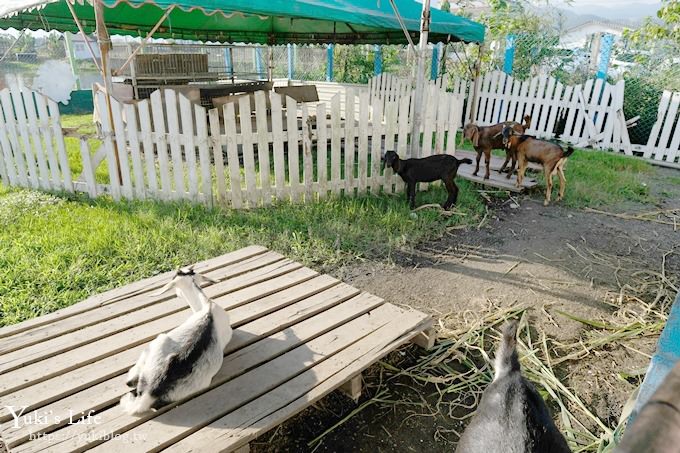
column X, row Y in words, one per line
column 55, row 251
column 597, row 178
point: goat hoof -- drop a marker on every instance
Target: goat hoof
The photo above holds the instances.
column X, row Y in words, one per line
column 509, row 175
column 545, row 203
column 486, row 177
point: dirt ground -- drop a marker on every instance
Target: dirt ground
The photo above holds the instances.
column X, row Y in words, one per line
column 553, row 259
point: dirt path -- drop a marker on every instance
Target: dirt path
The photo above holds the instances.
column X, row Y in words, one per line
column 552, row 259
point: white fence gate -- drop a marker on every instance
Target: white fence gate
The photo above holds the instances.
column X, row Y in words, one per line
column 32, row 149
column 664, row 140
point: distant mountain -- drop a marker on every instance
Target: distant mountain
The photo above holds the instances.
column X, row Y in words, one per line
column 632, row 12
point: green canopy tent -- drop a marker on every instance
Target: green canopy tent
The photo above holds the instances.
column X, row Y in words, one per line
column 250, row 21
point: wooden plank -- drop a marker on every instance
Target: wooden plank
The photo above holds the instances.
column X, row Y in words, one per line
column 307, row 160
column 651, row 147
column 216, row 145
column 283, row 402
column 149, row 154
column 71, row 332
column 336, row 144
column 429, row 122
column 96, row 350
column 674, row 148
column 263, row 146
column 554, row 109
column 187, row 141
column 404, row 127
column 350, row 134
column 571, row 98
column 107, row 138
column 293, row 149
column 425, row 339
column 20, row 116
column 232, row 157
column 124, row 292
column 10, row 125
column 507, row 96
column 322, row 150
column 200, row 114
column 376, row 178
column 36, row 139
column 301, row 310
column 161, row 142
column 286, row 330
column 441, row 122
column 512, row 114
column 88, row 172
column 390, row 131
column 353, row 388
column 175, row 142
column 279, row 156
column 363, row 142
column 172, row 425
column 135, row 154
column 546, row 101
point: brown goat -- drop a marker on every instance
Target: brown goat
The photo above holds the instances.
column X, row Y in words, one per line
column 530, row 149
column 486, row 138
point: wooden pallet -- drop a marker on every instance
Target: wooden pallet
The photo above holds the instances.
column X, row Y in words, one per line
column 496, row 179
column 298, row 335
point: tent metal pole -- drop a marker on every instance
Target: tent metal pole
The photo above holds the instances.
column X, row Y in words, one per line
column 104, row 46
column 420, row 81
column 82, row 32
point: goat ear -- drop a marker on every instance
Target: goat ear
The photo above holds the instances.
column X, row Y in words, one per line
column 475, row 137
column 170, row 285
column 203, row 279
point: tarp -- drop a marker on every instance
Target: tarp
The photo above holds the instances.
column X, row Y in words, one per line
column 250, row 21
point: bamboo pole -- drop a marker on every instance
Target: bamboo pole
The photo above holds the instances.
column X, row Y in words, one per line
column 82, row 32
column 420, row 80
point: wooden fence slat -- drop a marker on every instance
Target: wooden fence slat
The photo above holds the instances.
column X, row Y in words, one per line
column 660, row 115
column 187, row 120
column 669, row 122
column 201, row 114
column 403, row 127
column 218, row 157
column 8, row 159
column 10, row 124
column 107, row 137
column 161, row 141
column 121, row 143
column 293, row 149
column 376, row 146
column 554, row 109
column 149, row 154
column 455, row 110
column 336, row 143
column 135, row 154
column 322, row 150
column 263, row 145
column 307, row 160
column 36, row 139
column 674, row 148
column 442, row 121
column 175, row 142
column 18, row 103
column 349, row 148
column 88, row 171
column 572, row 106
column 44, row 124
column 277, row 134
column 363, row 142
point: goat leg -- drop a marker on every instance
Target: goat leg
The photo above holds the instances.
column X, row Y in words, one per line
column 479, row 157
column 487, row 156
column 452, row 189
column 411, row 191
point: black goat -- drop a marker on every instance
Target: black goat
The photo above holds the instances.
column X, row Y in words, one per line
column 512, row 416
column 427, row 169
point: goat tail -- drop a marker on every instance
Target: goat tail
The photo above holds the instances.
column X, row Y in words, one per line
column 136, row 404
column 569, row 151
column 507, row 360
column 464, row 161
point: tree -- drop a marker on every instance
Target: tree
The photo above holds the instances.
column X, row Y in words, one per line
column 667, row 28
column 55, row 46
column 445, row 6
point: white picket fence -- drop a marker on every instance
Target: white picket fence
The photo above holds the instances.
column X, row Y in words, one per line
column 664, row 140
column 167, row 148
column 32, row 149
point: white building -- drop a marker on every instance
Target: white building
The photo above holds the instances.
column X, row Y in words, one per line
column 80, row 50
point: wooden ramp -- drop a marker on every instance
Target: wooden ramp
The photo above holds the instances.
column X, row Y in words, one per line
column 496, row 179
column 298, row 335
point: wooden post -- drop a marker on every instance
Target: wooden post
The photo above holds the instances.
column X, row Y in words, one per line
column 352, row 388
column 475, row 85
column 420, row 80
column 104, row 46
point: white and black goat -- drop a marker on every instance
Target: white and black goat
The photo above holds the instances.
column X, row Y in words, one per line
column 511, row 417
column 184, row 360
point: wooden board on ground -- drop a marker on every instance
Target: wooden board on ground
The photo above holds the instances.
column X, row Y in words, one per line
column 297, row 336
column 496, row 179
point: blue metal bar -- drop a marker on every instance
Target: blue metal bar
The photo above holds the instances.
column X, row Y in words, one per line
column 329, row 64
column 259, row 63
column 377, row 61
column 434, row 69
column 291, row 61
column 228, row 63
column 509, row 54
column 606, row 45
